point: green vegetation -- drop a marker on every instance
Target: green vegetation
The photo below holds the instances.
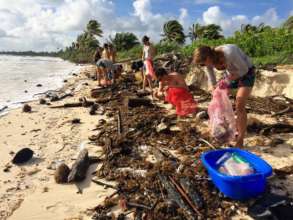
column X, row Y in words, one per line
column 173, row 32
column 124, row 41
column 266, row 45
column 31, row 53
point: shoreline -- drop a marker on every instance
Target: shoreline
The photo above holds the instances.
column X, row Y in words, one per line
column 29, row 192
column 36, row 131
column 31, row 88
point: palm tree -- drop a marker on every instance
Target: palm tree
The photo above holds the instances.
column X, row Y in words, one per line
column 289, row 23
column 212, row 32
column 86, row 41
column 124, row 41
column 195, row 31
column 94, row 28
column 251, row 29
column 173, row 31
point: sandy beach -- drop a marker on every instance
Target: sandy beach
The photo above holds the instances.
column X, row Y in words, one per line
column 29, row 192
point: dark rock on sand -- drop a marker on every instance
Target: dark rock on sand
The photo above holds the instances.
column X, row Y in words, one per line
column 93, row 109
column 23, row 156
column 39, row 85
column 75, row 121
column 25, row 91
column 61, row 173
column 42, row 101
column 65, row 80
column 26, row 108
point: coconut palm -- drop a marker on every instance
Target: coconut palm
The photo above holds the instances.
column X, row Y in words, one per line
column 195, row 31
column 251, row 29
column 94, row 28
column 173, row 32
column 211, row 32
column 124, row 41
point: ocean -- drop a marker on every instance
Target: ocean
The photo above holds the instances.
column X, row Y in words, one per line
column 20, row 75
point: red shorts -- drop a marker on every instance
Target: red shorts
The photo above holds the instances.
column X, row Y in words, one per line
column 182, row 99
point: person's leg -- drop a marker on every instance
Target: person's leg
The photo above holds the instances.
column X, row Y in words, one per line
column 149, row 80
column 99, row 75
column 104, row 76
column 241, row 121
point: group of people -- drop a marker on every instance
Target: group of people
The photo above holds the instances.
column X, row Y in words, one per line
column 238, row 74
column 107, row 68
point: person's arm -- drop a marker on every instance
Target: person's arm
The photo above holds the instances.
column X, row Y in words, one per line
column 211, row 76
column 142, row 56
column 161, row 86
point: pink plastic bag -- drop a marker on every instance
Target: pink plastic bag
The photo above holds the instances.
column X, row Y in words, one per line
column 149, row 68
column 222, row 118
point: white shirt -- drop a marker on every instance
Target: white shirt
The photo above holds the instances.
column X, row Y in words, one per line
column 238, row 63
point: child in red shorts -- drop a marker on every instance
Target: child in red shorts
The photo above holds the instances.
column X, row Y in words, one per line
column 173, row 87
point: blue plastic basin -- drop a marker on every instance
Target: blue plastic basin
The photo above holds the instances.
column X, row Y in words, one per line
column 238, row 187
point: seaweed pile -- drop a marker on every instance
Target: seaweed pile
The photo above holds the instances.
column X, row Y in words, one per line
column 157, row 169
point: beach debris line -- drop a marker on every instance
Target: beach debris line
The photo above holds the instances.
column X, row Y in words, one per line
column 22, row 156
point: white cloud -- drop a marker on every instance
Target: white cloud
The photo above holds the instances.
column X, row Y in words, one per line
column 48, row 25
column 183, row 16
column 270, row 17
column 230, row 24
column 2, row 33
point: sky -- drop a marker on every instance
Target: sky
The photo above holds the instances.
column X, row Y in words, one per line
column 49, row 25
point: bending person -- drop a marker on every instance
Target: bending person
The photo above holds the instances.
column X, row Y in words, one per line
column 172, row 86
column 239, row 74
column 107, row 72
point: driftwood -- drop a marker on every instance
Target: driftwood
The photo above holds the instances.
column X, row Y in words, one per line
column 173, row 195
column 286, row 110
column 185, row 196
column 119, row 123
column 104, row 184
column 105, row 100
column 188, row 187
column 2, row 109
column 96, row 92
column 62, row 97
column 276, row 128
column 137, row 102
column 80, row 167
column 75, row 104
column 68, row 105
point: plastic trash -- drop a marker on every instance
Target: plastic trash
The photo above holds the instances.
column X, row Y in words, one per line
column 233, row 164
column 222, row 119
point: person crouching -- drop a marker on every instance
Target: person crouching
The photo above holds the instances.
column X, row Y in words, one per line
column 107, row 72
column 172, row 86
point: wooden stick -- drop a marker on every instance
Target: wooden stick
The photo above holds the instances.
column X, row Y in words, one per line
column 208, row 143
column 104, row 184
column 183, row 194
column 119, row 123
column 288, row 109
